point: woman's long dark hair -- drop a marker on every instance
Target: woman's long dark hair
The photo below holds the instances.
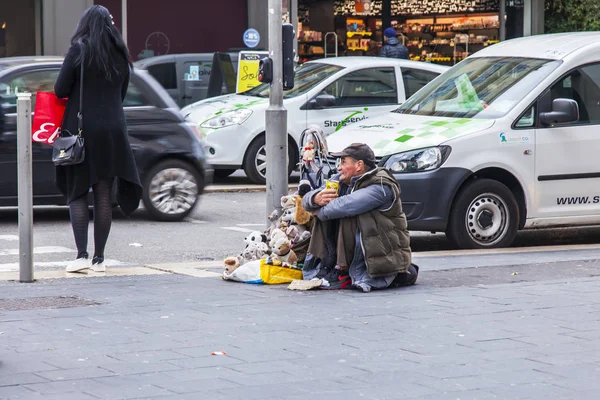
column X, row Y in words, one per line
column 98, row 35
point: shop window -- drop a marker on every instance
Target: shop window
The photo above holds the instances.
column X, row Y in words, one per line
column 165, row 74
column 367, row 87
column 31, row 82
column 134, row 97
column 583, row 86
column 415, row 79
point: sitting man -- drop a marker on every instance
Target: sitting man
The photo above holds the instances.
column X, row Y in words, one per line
column 360, row 235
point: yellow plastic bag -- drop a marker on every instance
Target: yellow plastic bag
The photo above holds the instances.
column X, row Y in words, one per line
column 276, row 275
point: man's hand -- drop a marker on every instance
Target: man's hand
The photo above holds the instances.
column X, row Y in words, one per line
column 325, row 196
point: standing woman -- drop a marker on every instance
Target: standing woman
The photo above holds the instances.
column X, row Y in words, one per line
column 108, row 155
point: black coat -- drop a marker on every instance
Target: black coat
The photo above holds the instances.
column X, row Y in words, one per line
column 107, row 151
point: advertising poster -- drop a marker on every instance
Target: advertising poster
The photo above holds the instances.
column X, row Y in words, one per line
column 247, row 71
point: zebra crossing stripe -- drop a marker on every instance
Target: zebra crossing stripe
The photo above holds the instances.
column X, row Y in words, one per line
column 10, row 238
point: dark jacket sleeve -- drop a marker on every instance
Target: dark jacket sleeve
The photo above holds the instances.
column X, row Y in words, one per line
column 307, row 199
column 384, row 51
column 68, row 73
column 372, row 197
column 125, row 85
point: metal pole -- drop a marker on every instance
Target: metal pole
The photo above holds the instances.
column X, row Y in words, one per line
column 25, row 191
column 124, row 20
column 276, row 116
column 293, row 7
column 527, row 10
column 502, row 17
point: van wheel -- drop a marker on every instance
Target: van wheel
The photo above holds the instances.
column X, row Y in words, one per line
column 485, row 215
column 171, row 190
column 255, row 161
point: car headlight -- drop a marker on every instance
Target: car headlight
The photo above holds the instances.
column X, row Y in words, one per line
column 420, row 160
column 228, row 118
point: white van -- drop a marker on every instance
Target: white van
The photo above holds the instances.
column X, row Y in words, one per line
column 331, row 93
column 508, row 139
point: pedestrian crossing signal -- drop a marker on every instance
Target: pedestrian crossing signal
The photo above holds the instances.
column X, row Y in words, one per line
column 265, row 70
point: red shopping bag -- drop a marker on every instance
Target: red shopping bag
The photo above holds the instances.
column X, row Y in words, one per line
column 47, row 118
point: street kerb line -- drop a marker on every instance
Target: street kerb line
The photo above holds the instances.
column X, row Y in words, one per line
column 237, row 229
column 110, row 272
column 509, row 250
column 241, row 188
column 196, row 269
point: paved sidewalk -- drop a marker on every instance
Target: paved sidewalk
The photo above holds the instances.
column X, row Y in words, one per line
column 151, row 337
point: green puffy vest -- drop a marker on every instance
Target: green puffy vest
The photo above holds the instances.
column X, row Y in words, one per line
column 384, row 235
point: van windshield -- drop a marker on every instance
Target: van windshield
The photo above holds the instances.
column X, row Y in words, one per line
column 307, row 77
column 483, row 87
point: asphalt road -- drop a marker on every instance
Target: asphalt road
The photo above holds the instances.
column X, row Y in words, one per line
column 217, row 228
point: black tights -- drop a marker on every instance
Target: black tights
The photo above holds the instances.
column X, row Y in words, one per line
column 80, row 218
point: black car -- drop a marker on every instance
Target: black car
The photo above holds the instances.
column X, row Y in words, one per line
column 168, row 151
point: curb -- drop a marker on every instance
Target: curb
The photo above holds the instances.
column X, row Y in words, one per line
column 241, row 188
column 196, row 269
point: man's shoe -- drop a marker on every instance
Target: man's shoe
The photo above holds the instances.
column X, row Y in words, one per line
column 336, row 279
column 98, row 264
column 363, row 287
column 407, row 278
column 78, row 265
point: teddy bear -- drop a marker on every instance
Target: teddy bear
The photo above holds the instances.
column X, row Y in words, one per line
column 230, row 264
column 255, row 236
column 255, row 251
column 301, row 216
column 300, row 237
column 308, row 153
column 273, row 218
column 287, row 202
column 277, row 234
column 304, row 187
column 283, row 251
column 288, row 215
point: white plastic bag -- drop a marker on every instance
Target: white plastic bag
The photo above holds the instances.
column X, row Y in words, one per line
column 248, row 273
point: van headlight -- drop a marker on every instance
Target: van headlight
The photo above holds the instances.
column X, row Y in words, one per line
column 419, row 160
column 228, row 118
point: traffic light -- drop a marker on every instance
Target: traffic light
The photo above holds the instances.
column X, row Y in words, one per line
column 288, row 56
column 265, row 70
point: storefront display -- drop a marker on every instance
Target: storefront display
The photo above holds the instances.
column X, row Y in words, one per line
column 439, row 31
column 448, row 40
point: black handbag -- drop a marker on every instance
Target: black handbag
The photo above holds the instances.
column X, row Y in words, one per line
column 68, row 149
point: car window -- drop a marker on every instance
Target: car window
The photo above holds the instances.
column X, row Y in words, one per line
column 306, row 77
column 367, row 87
column 134, row 97
column 583, row 86
column 485, row 87
column 30, row 82
column 527, row 120
column 165, row 74
column 415, row 79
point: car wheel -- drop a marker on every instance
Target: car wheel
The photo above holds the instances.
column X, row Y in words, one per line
column 223, row 173
column 255, row 161
column 485, row 214
column 171, row 190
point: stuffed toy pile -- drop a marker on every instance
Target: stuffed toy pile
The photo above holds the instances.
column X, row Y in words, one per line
column 288, row 230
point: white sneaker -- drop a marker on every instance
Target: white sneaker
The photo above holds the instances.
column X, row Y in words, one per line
column 99, row 266
column 78, row 265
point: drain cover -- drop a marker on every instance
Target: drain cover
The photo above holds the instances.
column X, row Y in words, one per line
column 41, row 303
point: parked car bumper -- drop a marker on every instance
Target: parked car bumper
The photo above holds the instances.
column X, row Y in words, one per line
column 427, row 197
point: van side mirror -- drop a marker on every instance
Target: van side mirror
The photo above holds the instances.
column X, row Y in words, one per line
column 563, row 112
column 322, row 101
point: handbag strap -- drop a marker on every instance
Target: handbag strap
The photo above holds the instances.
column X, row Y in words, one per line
column 80, row 113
